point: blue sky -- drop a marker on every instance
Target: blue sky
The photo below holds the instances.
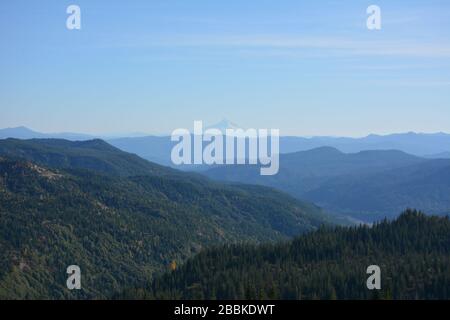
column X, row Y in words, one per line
column 305, row 67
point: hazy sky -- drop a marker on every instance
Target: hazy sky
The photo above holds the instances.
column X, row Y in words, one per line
column 305, row 67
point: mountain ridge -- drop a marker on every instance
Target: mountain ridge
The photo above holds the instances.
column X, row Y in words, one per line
column 157, row 147
column 367, row 185
column 111, row 206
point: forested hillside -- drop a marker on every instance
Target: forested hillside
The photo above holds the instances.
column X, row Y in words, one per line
column 121, row 229
column 413, row 253
column 95, row 155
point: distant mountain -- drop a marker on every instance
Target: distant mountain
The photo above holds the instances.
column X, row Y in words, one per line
column 419, row 144
column 158, row 148
column 367, row 185
column 441, row 155
column 152, row 148
column 327, row 161
column 306, row 170
column 413, row 253
column 20, row 133
column 25, row 133
column 224, row 125
column 372, row 196
column 119, row 217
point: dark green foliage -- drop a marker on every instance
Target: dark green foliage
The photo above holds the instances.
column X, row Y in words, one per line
column 95, row 155
column 121, row 230
column 413, row 253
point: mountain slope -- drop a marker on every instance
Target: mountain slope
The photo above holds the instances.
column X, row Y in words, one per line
column 303, row 171
column 120, row 229
column 156, row 149
column 367, row 185
column 95, row 155
column 413, row 253
column 425, row 186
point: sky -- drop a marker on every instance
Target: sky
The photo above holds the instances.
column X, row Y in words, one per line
column 304, row 67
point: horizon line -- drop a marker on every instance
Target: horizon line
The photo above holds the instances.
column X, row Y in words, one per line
column 112, row 135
